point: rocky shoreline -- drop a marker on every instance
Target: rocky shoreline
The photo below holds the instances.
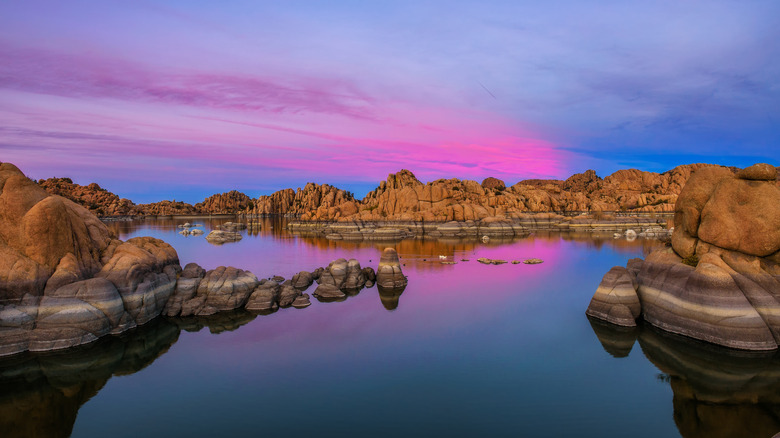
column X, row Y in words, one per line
column 719, row 280
column 480, row 229
column 65, row 280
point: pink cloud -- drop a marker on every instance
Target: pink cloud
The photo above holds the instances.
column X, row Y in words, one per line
column 102, row 116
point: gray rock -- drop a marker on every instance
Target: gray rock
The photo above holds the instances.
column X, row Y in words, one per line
column 224, row 288
column 616, row 300
column 328, row 292
column 265, row 297
column 287, row 295
column 389, row 274
column 218, row 237
column 302, row 280
column 302, row 301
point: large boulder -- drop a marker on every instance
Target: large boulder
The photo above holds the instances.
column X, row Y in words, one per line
column 64, row 279
column 221, row 289
column 186, row 288
column 302, row 280
column 265, row 297
column 389, row 274
column 615, row 299
column 720, row 281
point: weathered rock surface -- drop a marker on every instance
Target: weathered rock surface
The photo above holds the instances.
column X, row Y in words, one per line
column 720, row 280
column 221, row 289
column 616, row 300
column 64, row 279
column 265, row 297
column 389, row 274
column 225, row 203
column 93, row 197
column 302, row 280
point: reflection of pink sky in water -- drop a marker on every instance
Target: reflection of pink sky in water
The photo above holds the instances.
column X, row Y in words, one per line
column 439, row 300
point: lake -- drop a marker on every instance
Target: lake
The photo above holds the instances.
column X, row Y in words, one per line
column 466, row 350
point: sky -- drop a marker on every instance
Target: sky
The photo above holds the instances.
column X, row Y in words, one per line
column 182, row 99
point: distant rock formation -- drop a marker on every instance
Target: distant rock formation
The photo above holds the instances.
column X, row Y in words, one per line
column 226, row 203
column 720, row 280
column 95, row 198
column 402, row 197
column 166, row 208
column 311, row 202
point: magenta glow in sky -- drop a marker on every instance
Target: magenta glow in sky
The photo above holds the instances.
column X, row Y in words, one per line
column 183, row 99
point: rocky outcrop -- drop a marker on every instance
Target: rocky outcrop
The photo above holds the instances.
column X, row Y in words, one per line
column 96, row 199
column 389, row 274
column 166, row 208
column 64, row 279
column 402, row 197
column 226, row 203
column 720, row 280
column 311, row 202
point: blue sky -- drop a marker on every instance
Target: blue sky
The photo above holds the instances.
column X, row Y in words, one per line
column 183, row 99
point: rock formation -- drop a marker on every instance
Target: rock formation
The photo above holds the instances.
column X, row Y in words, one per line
column 311, row 202
column 720, row 280
column 95, row 198
column 225, row 203
column 64, row 279
column 402, row 197
column 389, row 274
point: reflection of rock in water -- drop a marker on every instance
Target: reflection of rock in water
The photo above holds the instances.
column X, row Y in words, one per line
column 217, row 323
column 390, row 296
column 718, row 392
column 40, row 394
column 616, row 340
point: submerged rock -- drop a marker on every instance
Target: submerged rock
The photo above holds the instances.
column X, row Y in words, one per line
column 533, row 261
column 219, row 237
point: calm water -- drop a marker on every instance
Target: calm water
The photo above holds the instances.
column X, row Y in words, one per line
column 466, row 350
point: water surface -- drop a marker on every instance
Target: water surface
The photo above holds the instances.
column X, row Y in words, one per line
column 466, row 350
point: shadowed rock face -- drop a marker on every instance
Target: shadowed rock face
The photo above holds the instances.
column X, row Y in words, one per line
column 720, row 280
column 718, row 392
column 64, row 279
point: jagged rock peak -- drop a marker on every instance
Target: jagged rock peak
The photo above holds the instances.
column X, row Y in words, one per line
column 402, row 178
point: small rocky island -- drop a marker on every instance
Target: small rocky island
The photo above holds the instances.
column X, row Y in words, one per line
column 720, row 280
column 66, row 280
